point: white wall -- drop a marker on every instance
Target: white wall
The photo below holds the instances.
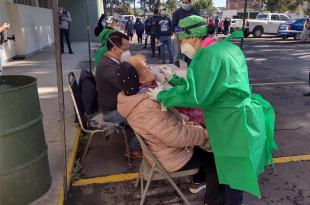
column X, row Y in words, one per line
column 32, row 26
column 9, row 50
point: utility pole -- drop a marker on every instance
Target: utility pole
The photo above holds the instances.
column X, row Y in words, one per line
column 243, row 24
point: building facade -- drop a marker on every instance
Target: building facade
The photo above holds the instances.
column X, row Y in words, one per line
column 32, row 23
column 238, row 4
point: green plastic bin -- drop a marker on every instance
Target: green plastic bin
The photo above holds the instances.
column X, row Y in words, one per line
column 24, row 168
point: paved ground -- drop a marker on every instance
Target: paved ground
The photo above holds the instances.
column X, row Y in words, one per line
column 42, row 66
column 270, row 61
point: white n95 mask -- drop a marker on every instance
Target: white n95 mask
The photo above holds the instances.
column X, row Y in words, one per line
column 125, row 56
column 188, row 50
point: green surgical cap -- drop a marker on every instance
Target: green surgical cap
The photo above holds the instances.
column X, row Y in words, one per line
column 193, row 26
column 104, row 35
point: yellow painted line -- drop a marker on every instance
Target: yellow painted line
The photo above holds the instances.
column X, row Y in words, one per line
column 106, row 179
column 297, row 158
column 70, row 163
column 70, row 166
column 278, row 83
column 131, row 176
column 61, row 197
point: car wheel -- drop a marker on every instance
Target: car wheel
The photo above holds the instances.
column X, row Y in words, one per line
column 297, row 36
column 257, row 32
column 232, row 29
column 284, row 37
column 246, row 34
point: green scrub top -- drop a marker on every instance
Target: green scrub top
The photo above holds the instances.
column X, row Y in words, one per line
column 240, row 124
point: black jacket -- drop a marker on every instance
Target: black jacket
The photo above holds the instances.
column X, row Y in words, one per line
column 181, row 14
column 163, row 26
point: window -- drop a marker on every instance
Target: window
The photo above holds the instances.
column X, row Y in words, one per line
column 275, row 17
column 284, row 18
column 25, row 2
column 43, row 3
column 261, row 16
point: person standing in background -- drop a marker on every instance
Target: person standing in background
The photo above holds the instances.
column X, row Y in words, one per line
column 129, row 28
column 139, row 28
column 64, row 25
column 181, row 13
column 154, row 32
column 3, row 29
column 216, row 25
column 163, row 27
column 147, row 29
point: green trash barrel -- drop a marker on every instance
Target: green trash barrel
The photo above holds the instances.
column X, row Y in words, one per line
column 24, row 168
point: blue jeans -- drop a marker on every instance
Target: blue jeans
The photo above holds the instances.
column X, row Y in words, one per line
column 166, row 41
column 115, row 117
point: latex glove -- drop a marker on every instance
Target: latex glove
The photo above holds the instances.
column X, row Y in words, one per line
column 168, row 73
column 154, row 92
column 161, row 78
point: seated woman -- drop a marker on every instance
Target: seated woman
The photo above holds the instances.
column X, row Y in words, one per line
column 173, row 142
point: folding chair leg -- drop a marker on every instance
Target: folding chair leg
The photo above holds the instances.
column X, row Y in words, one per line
column 126, row 146
column 147, row 185
column 177, row 188
column 139, row 176
column 87, row 145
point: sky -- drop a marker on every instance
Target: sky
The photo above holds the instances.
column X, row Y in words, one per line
column 218, row 3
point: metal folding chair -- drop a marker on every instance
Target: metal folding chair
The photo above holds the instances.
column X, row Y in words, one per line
column 107, row 127
column 156, row 171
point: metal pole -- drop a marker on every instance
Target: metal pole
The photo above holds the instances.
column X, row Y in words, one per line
column 243, row 24
column 61, row 103
column 88, row 35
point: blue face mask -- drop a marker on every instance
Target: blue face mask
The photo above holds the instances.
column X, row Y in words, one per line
column 186, row 7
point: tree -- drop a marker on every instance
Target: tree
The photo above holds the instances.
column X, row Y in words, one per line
column 280, row 5
column 203, row 4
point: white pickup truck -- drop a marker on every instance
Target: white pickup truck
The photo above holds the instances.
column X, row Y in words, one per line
column 265, row 23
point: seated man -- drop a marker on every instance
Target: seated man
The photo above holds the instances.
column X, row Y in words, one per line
column 108, row 87
column 174, row 143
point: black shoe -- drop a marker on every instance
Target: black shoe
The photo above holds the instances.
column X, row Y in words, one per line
column 71, row 52
column 62, row 52
column 307, row 94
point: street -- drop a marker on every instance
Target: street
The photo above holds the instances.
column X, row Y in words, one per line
column 278, row 70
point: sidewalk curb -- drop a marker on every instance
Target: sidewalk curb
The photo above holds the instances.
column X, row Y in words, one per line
column 70, row 166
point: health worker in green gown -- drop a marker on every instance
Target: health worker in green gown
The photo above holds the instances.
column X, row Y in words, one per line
column 240, row 124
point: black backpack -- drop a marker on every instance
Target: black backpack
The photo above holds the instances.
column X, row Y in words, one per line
column 87, row 84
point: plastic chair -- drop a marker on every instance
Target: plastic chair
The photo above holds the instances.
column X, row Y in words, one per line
column 156, row 171
column 107, row 128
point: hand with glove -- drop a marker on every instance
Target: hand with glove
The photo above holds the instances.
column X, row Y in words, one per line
column 168, row 73
column 154, row 92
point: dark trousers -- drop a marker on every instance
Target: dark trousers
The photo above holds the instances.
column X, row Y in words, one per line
column 153, row 41
column 66, row 33
column 216, row 194
column 139, row 35
column 145, row 40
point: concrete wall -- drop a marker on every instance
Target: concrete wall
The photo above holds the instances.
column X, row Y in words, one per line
column 77, row 9
column 9, row 50
column 32, row 26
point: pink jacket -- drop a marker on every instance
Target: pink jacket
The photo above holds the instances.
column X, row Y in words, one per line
column 168, row 138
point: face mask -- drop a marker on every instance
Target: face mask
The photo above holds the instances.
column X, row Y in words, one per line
column 103, row 23
column 125, row 56
column 186, row 7
column 61, row 10
column 163, row 13
column 188, row 50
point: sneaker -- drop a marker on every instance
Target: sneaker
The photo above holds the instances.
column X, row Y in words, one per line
column 196, row 187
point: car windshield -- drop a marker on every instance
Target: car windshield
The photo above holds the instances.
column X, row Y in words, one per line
column 261, row 16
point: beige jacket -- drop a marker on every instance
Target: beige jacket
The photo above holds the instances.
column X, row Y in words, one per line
column 167, row 137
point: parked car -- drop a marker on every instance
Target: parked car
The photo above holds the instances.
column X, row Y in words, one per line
column 265, row 23
column 235, row 24
column 292, row 28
